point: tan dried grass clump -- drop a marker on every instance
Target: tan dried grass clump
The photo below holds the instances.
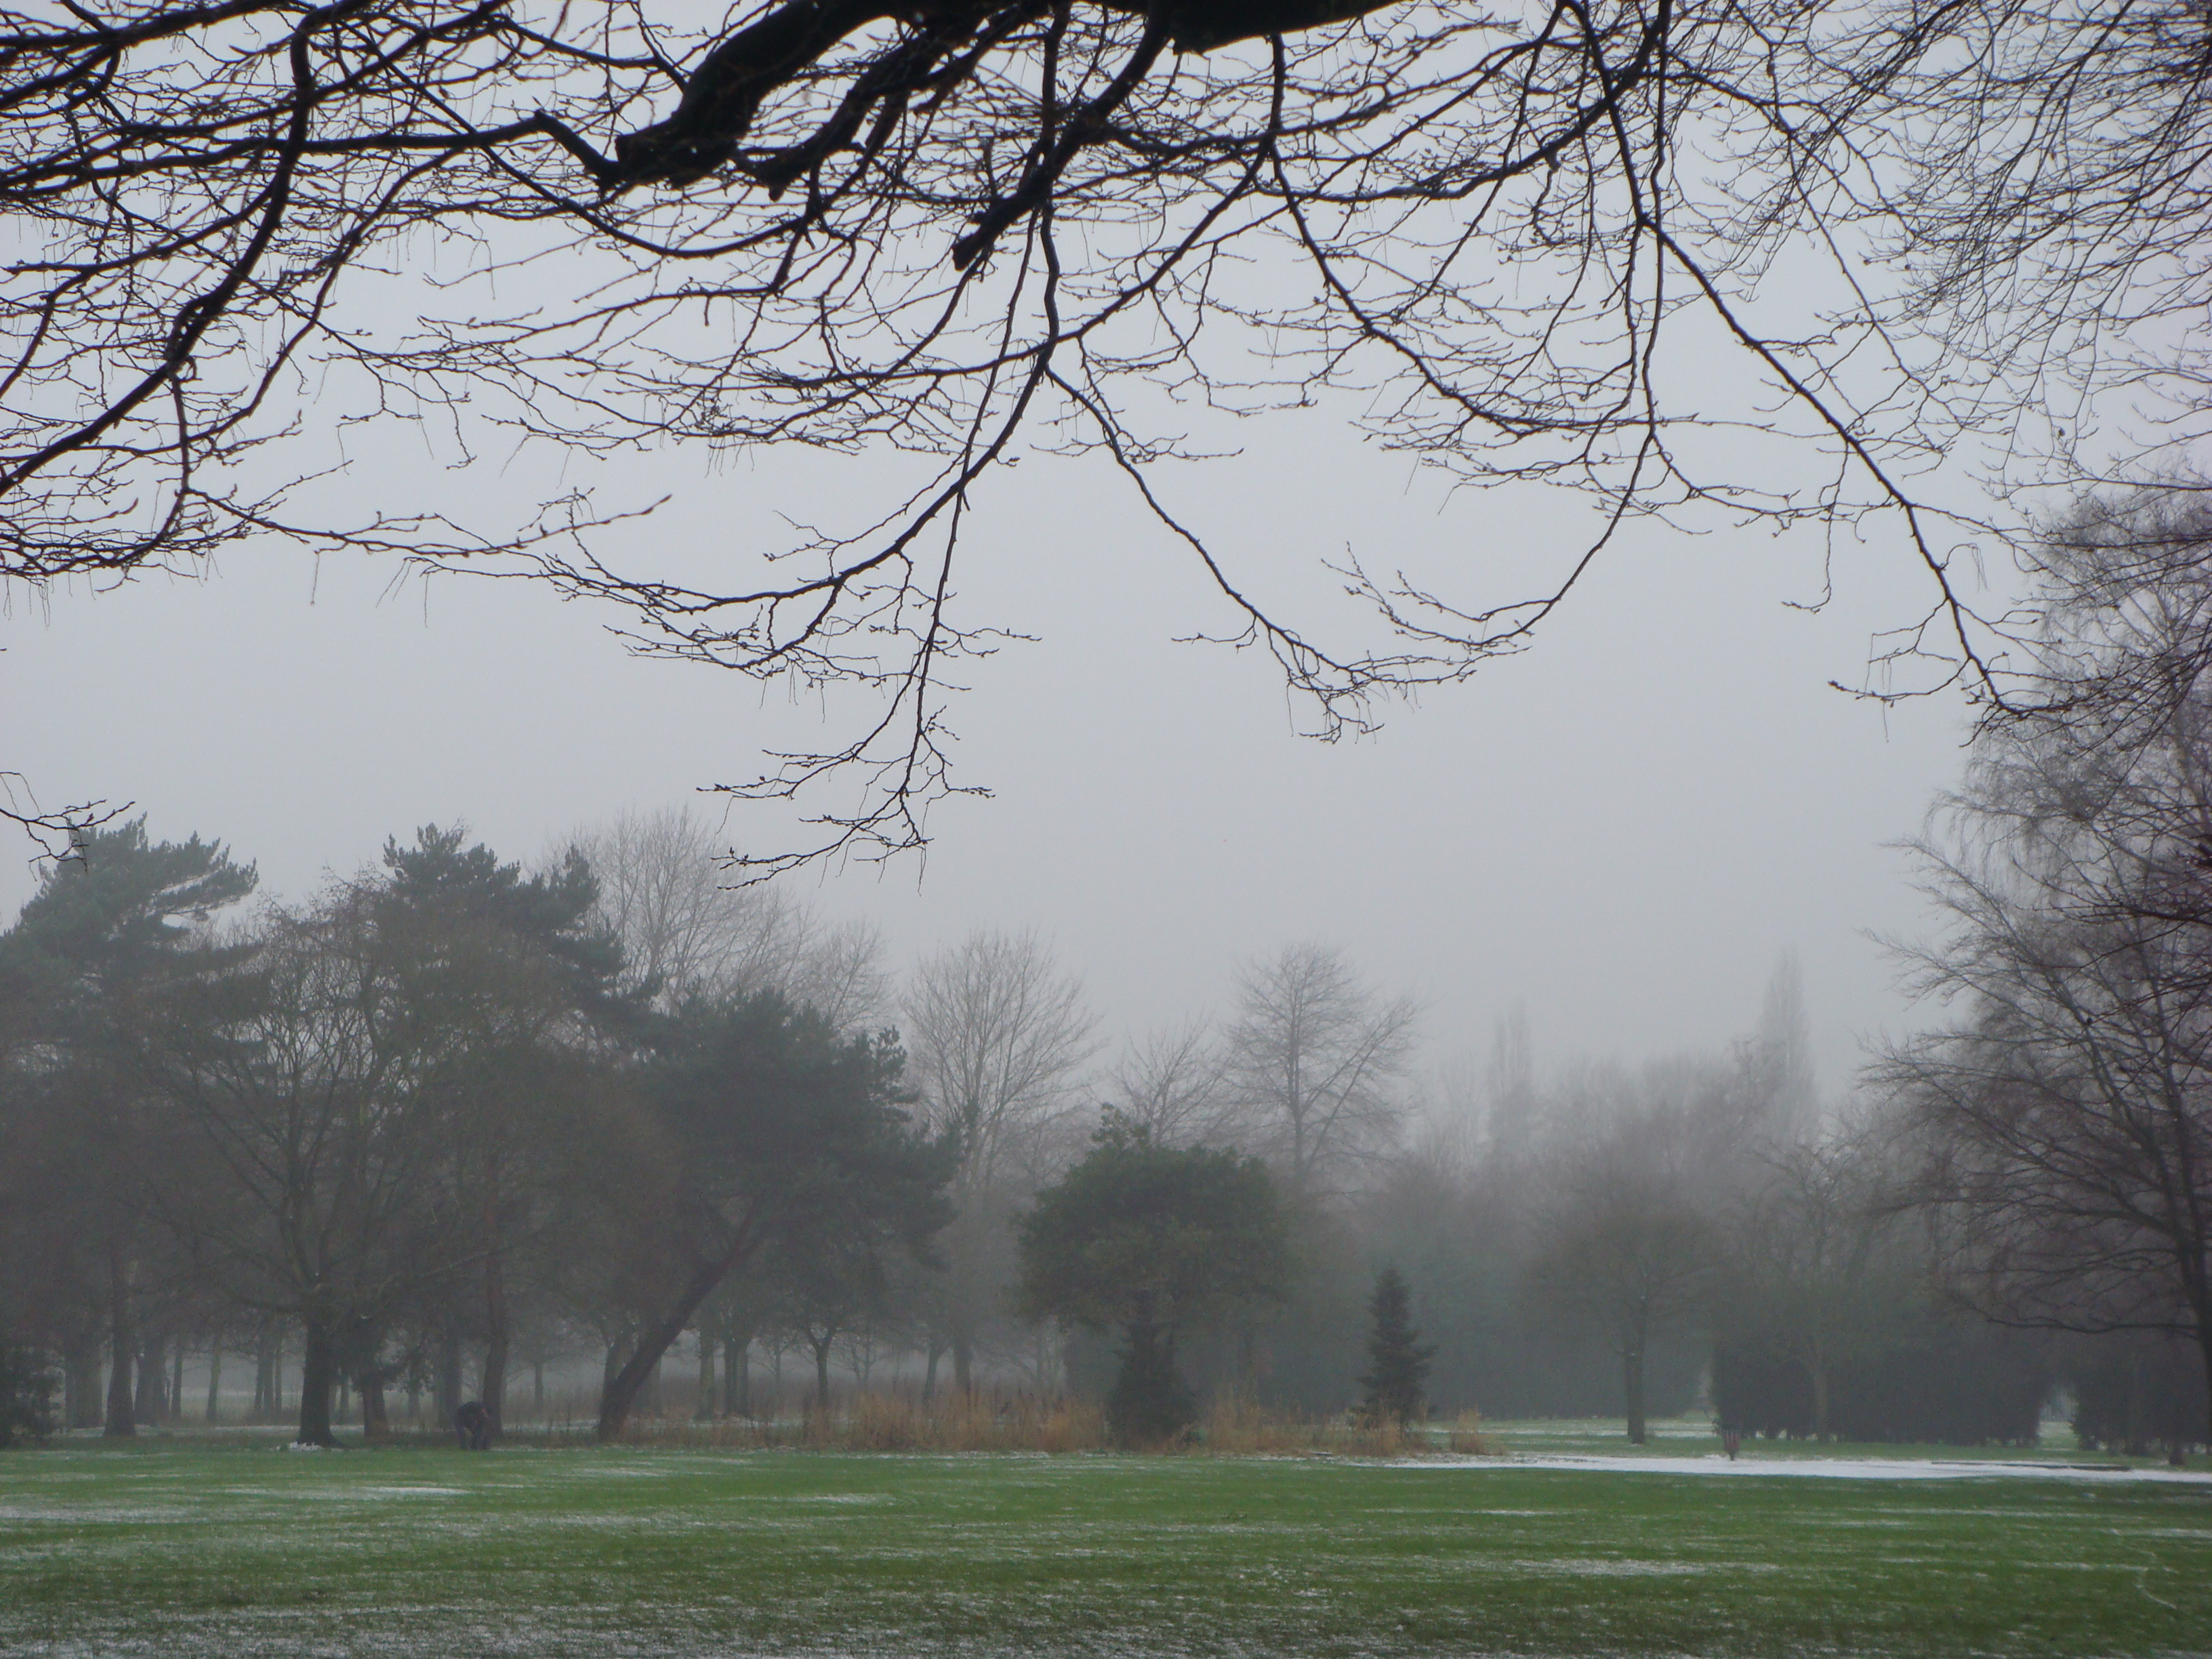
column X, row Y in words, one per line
column 1002, row 1420
column 1465, row 1435
column 981, row 1420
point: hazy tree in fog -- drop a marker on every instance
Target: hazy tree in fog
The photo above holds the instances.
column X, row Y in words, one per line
column 1151, row 1242
column 779, row 1129
column 1783, row 1045
column 107, row 935
column 323, row 1166
column 1625, row 1248
column 2064, row 1117
column 1398, row 1361
column 1174, row 1081
column 685, row 930
column 515, row 986
column 998, row 1034
column 1809, row 1280
column 1511, row 1084
column 1315, row 1058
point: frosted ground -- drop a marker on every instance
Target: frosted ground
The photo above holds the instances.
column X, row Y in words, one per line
column 1563, row 1546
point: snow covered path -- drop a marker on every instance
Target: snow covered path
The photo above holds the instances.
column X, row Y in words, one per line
column 1831, row 1468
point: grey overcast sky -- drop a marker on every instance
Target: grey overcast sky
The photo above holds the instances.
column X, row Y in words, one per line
column 1620, row 831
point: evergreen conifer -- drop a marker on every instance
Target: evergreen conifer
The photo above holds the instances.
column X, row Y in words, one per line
column 1398, row 1360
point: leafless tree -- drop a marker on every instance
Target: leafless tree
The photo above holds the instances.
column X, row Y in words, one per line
column 1782, row 1049
column 1314, row 1058
column 324, row 1169
column 2064, row 1118
column 1513, row 239
column 58, row 833
column 683, row 927
column 1625, row 1247
column 1812, row 1270
column 688, row 927
column 1174, row 1081
column 841, row 975
column 997, row 1036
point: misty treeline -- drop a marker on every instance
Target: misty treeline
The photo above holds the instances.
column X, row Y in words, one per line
column 454, row 1116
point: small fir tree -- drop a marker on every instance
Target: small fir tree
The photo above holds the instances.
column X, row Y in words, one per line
column 1398, row 1360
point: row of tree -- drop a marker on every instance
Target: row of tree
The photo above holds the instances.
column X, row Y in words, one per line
column 451, row 1104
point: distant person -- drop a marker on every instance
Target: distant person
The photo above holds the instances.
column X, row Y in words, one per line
column 1731, row 1441
column 473, row 1423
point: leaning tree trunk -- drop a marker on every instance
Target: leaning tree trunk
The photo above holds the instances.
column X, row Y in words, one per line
column 120, row 1422
column 620, row 1396
column 318, row 1375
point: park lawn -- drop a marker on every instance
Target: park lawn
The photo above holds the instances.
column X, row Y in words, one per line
column 238, row 1548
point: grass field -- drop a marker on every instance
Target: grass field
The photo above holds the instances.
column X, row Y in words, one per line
column 192, row 1547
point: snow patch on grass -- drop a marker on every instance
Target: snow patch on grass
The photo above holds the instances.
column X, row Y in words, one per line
column 1827, row 1468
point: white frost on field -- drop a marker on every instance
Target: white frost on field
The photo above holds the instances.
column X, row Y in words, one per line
column 1829, row 1469
column 1614, row 1567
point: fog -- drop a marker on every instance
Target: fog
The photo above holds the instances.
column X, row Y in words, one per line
column 1620, row 831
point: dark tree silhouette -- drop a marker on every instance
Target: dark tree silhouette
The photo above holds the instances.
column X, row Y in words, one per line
column 1513, row 241
column 1151, row 1241
column 1398, row 1361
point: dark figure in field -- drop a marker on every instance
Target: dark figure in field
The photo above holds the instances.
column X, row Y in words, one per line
column 473, row 1422
column 1731, row 1441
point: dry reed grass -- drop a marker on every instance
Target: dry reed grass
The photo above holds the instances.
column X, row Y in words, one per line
column 993, row 1420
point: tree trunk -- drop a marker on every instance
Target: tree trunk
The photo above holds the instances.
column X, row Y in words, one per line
column 620, row 1396
column 214, row 1379
column 375, row 1423
column 1632, row 1382
column 929, row 1373
column 446, row 1386
column 81, row 1399
column 738, row 1372
column 494, row 1381
column 121, row 1422
column 494, row 1371
column 148, row 1405
column 176, row 1402
column 537, row 1387
column 703, row 1409
column 264, row 1387
column 317, row 1372
column 2204, row 1345
column 1819, row 1369
column 822, row 1374
column 963, row 1361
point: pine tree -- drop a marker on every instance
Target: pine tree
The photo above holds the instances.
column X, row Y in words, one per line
column 1398, row 1360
